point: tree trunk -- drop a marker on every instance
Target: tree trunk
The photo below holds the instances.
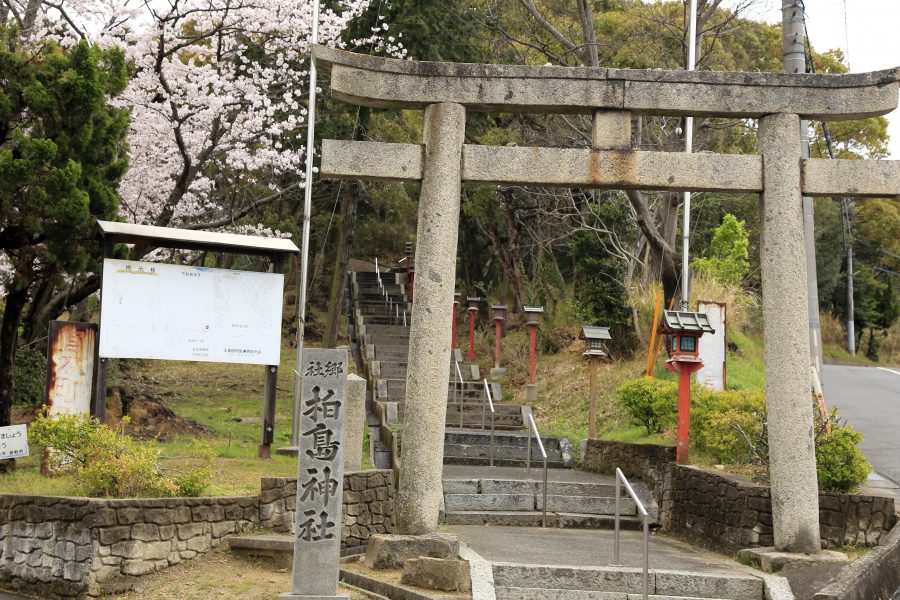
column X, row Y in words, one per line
column 515, row 255
column 342, row 260
column 345, row 244
column 9, row 336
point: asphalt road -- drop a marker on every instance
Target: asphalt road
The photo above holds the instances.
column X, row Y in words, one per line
column 869, row 398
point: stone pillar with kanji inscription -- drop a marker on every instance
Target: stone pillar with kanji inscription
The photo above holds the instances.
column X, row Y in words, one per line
column 320, row 476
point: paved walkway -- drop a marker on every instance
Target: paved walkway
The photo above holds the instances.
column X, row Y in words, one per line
column 589, row 548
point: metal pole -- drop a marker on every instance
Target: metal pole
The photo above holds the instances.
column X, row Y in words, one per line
column 544, row 519
column 646, row 556
column 307, row 210
column 794, row 59
column 528, row 455
column 688, row 147
column 851, row 316
column 492, row 438
column 616, row 535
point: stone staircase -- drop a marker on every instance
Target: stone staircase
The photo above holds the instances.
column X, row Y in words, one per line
column 520, row 502
column 534, row 582
column 379, row 318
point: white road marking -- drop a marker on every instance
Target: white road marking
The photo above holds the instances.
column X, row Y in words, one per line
column 889, row 370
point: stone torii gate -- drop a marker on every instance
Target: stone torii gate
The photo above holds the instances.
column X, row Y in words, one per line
column 446, row 91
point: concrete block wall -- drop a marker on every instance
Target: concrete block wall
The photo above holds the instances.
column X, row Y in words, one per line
column 726, row 513
column 62, row 547
column 368, row 505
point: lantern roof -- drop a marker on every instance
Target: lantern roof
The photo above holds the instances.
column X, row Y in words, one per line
column 675, row 321
column 595, row 332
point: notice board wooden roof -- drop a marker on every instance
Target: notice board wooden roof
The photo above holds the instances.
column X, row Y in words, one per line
column 190, row 239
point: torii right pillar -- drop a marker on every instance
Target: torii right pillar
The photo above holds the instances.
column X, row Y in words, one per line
column 792, row 456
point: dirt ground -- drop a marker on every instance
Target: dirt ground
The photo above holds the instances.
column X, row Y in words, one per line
column 215, row 576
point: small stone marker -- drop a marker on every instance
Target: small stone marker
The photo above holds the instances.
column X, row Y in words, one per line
column 13, row 442
column 320, row 476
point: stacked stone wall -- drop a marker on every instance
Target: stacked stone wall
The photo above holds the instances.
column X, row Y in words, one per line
column 368, row 505
column 725, row 513
column 649, row 463
column 66, row 547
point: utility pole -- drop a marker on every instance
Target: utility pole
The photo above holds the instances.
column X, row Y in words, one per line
column 688, row 147
column 794, row 57
column 307, row 212
column 851, row 309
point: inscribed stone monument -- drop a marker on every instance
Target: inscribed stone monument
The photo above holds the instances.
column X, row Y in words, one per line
column 320, row 476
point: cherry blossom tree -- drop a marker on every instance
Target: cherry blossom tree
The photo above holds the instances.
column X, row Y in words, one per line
column 217, row 103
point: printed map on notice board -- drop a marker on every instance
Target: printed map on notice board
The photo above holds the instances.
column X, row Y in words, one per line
column 176, row 312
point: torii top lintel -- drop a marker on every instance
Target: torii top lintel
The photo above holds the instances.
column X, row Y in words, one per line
column 391, row 83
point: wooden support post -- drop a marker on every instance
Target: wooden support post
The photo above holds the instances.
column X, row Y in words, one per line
column 651, row 352
column 98, row 404
column 271, row 386
column 268, row 422
column 594, row 368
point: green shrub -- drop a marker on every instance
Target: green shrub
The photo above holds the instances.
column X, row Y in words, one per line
column 108, row 462
column 30, row 375
column 840, row 464
column 729, row 425
column 652, row 403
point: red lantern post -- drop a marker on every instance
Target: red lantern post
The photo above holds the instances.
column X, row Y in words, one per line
column 532, row 321
column 685, row 329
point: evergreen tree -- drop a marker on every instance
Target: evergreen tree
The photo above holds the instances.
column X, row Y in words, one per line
column 62, row 155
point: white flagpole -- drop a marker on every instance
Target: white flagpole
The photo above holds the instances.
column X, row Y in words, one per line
column 688, row 147
column 307, row 210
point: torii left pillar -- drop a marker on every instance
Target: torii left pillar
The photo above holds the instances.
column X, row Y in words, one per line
column 421, row 465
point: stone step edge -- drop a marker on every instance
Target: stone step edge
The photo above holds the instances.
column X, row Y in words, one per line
column 391, row 590
column 534, row 519
column 658, row 578
column 276, row 542
column 501, row 462
column 628, row 506
column 591, row 594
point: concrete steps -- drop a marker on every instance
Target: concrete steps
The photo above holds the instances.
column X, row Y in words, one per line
column 537, row 582
column 519, row 503
column 472, row 447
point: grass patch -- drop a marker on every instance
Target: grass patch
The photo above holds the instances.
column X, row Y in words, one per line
column 744, row 366
column 226, row 398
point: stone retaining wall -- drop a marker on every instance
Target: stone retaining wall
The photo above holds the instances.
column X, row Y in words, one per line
column 649, row 463
column 726, row 513
column 74, row 547
column 368, row 505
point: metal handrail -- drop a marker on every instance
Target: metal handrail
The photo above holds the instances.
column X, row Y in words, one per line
column 622, row 480
column 456, row 390
column 537, row 435
column 490, row 402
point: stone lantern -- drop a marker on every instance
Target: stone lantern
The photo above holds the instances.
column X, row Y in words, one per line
column 498, row 313
column 532, row 322
column 594, row 337
column 685, row 330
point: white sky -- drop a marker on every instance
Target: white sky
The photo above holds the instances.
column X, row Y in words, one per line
column 871, row 38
